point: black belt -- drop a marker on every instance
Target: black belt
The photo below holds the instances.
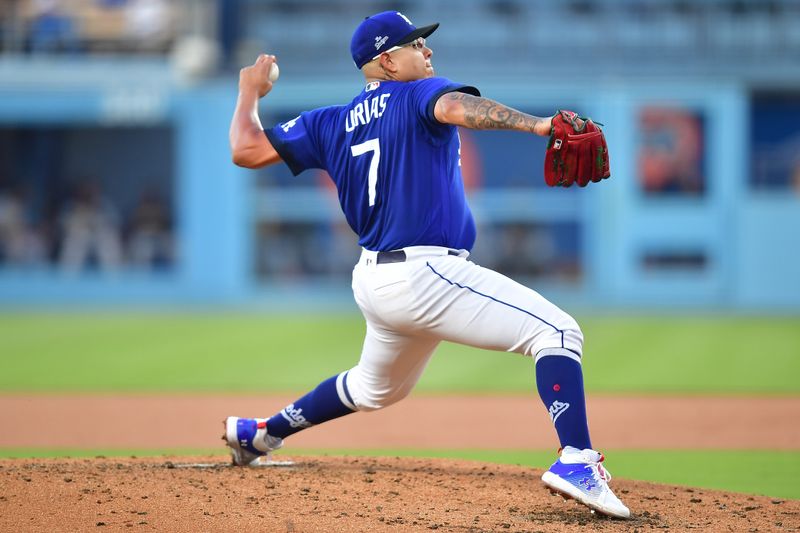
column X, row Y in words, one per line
column 399, row 256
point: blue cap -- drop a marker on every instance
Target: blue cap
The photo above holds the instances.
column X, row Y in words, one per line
column 381, row 32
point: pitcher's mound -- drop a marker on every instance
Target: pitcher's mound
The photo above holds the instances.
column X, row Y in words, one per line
column 346, row 494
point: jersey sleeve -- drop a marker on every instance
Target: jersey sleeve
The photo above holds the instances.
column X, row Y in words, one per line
column 426, row 93
column 295, row 142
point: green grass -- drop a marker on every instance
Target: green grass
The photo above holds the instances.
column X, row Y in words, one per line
column 267, row 352
column 271, row 353
column 771, row 473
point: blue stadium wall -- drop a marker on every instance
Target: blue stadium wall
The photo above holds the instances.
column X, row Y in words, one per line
column 747, row 239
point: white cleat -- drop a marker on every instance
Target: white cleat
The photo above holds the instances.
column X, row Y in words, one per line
column 248, row 440
column 579, row 475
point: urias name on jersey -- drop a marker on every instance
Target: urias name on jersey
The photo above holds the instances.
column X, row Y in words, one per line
column 366, row 110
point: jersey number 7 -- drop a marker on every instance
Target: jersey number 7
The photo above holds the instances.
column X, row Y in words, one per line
column 372, row 178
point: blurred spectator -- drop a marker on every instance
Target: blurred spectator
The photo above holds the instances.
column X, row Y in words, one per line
column 20, row 243
column 52, row 28
column 150, row 242
column 149, row 24
column 524, row 250
column 281, row 250
column 66, row 26
column 90, row 231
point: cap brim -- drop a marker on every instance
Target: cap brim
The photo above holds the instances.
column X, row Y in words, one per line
column 416, row 34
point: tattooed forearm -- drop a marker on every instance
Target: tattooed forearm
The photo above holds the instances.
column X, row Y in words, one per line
column 474, row 112
column 483, row 114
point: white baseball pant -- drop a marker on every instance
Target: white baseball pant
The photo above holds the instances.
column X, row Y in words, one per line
column 411, row 306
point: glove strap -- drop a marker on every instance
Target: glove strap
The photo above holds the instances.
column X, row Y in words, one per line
column 570, row 117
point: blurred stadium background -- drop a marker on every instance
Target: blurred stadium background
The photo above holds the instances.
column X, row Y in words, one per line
column 116, row 186
column 117, row 193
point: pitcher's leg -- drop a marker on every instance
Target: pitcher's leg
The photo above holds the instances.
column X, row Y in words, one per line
column 559, row 380
column 482, row 308
column 251, row 438
column 392, row 360
column 329, row 400
column 391, row 364
column 479, row 307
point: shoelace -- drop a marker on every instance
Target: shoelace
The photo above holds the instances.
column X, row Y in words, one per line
column 599, row 471
column 605, row 475
column 602, row 473
column 593, row 459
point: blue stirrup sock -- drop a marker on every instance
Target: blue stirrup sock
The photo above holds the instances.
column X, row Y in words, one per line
column 559, row 379
column 329, row 400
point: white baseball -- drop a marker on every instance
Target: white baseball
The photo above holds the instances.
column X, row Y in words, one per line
column 274, row 72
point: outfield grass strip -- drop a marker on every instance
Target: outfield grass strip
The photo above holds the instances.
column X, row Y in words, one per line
column 163, row 352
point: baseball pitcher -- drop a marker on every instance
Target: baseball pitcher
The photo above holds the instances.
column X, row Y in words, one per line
column 393, row 154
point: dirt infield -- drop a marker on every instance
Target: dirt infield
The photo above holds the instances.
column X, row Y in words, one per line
column 368, row 494
column 346, row 495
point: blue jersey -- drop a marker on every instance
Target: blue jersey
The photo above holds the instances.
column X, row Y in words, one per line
column 397, row 169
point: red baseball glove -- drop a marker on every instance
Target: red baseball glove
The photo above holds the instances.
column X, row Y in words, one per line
column 576, row 153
